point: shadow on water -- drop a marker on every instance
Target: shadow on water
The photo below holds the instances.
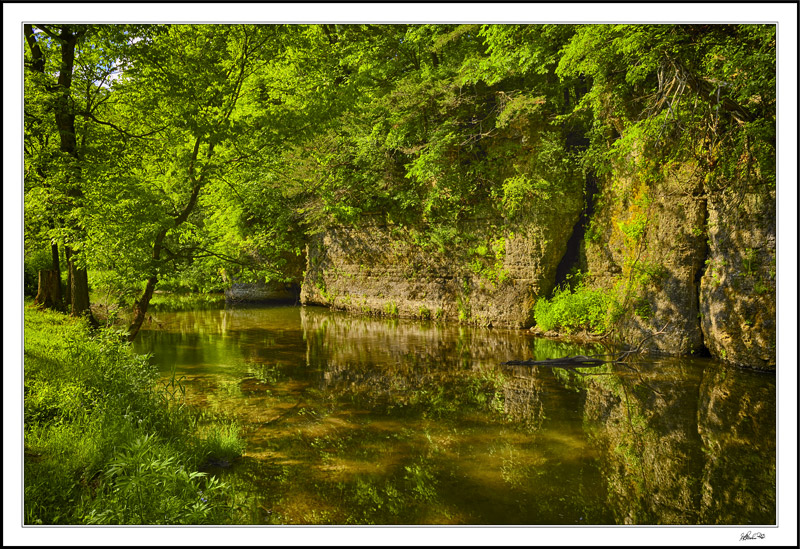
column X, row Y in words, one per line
column 358, row 420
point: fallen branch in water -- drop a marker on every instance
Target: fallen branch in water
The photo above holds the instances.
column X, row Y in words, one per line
column 566, row 362
column 582, row 361
column 638, row 348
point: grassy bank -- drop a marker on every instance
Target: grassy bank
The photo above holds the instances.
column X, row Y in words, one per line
column 106, row 443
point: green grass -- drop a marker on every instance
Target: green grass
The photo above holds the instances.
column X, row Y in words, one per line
column 105, row 443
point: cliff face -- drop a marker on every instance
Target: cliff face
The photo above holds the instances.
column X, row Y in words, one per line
column 737, row 291
column 670, row 253
column 494, row 279
column 646, row 244
column 700, row 260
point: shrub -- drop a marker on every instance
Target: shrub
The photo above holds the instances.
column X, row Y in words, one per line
column 572, row 310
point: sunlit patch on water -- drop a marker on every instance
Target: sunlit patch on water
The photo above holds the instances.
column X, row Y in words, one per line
column 354, row 420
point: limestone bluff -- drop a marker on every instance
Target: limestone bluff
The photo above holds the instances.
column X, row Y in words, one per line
column 704, row 262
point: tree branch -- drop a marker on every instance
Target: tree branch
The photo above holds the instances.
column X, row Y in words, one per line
column 710, row 92
column 38, row 62
column 87, row 114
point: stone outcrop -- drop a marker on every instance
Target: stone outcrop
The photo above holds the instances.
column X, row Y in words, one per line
column 647, row 245
column 702, row 262
column 380, row 269
column 240, row 292
column 670, row 253
column 738, row 292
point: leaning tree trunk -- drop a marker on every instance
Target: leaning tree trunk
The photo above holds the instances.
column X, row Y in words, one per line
column 140, row 308
column 140, row 305
column 49, row 294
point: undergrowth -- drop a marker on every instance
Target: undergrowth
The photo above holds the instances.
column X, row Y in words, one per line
column 574, row 309
column 105, row 442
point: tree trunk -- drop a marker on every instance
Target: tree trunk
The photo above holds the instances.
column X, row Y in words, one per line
column 68, row 293
column 65, row 117
column 65, row 122
column 79, row 292
column 56, row 262
column 140, row 308
column 49, row 294
column 77, row 295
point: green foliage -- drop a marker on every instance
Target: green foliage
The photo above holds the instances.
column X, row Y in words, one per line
column 634, row 228
column 431, row 133
column 146, row 484
column 683, row 91
column 573, row 310
column 487, row 260
column 203, row 149
column 391, row 309
column 104, row 442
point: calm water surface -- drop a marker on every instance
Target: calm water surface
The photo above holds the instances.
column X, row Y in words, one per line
column 356, row 420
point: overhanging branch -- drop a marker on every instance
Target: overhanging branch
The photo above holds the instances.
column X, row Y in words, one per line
column 126, row 133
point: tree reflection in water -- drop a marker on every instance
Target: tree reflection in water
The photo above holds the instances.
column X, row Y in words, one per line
column 367, row 420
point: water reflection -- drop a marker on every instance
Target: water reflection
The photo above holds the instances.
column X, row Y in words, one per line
column 736, row 422
column 364, row 420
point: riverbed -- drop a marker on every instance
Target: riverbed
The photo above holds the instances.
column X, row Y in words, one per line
column 362, row 420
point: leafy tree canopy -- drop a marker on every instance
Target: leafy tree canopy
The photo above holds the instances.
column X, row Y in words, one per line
column 205, row 152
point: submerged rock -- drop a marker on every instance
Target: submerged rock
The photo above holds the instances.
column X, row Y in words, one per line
column 260, row 292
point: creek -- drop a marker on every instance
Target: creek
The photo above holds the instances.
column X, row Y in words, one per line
column 361, row 420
